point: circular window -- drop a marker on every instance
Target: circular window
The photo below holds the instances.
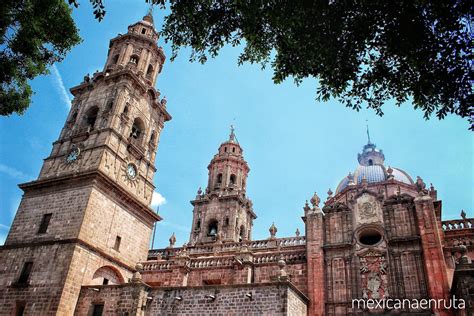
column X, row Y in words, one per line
column 131, row 171
column 370, row 237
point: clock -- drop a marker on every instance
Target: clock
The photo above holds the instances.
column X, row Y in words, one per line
column 73, row 155
column 131, row 171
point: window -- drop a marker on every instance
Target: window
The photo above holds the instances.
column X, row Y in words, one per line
column 137, row 129
column 232, row 179
column 152, row 138
column 125, row 109
column 118, row 240
column 115, row 59
column 25, row 273
column 44, row 223
column 226, row 221
column 143, row 31
column 91, row 117
column 225, row 149
column 233, row 149
column 219, row 178
column 98, row 309
column 198, row 224
column 105, row 282
column 134, row 59
column 149, row 72
column 371, row 163
column 242, row 233
column 109, row 106
column 212, row 229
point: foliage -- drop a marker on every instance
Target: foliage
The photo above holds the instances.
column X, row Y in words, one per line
column 362, row 52
column 34, row 35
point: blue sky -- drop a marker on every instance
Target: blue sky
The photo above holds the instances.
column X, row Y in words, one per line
column 294, row 145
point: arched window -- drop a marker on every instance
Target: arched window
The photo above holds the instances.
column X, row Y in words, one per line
column 134, row 59
column 143, row 30
column 219, row 178
column 198, row 224
column 226, row 221
column 371, row 163
column 232, row 179
column 242, row 233
column 125, row 109
column 233, row 149
column 73, row 118
column 149, row 72
column 152, row 138
column 115, row 59
column 212, row 228
column 91, row 117
column 225, row 149
column 137, row 129
column 109, row 105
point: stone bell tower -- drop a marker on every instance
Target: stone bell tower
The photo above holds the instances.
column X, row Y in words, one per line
column 86, row 220
column 223, row 212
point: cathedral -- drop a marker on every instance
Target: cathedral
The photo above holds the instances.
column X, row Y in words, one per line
column 79, row 243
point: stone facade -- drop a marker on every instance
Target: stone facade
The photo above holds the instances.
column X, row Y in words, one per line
column 79, row 241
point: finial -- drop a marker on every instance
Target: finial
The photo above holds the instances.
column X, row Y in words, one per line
column 350, row 177
column 149, row 15
column 172, row 240
column 232, row 134
column 273, row 230
column 306, row 207
column 463, row 214
column 368, row 134
column 329, row 193
column 315, row 200
column 297, row 232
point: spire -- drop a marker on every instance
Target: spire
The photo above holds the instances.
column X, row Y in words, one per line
column 149, row 16
column 368, row 134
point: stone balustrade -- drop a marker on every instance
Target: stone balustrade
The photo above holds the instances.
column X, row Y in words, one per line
column 467, row 223
column 231, row 247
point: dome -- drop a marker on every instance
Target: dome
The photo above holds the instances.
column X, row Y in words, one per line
column 371, row 167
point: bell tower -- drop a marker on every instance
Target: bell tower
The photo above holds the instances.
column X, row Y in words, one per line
column 86, row 220
column 223, row 212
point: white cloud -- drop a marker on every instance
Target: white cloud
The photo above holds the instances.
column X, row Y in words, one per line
column 60, row 86
column 157, row 199
column 14, row 173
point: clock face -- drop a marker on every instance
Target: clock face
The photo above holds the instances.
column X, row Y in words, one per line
column 131, row 171
column 73, row 155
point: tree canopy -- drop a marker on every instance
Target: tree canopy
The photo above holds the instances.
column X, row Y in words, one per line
column 361, row 52
column 34, row 35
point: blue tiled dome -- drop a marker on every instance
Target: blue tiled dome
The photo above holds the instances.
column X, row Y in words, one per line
column 371, row 168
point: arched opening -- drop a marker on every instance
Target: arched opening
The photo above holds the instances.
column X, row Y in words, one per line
column 73, row 118
column 226, row 222
column 109, row 105
column 371, row 162
column 212, row 228
column 107, row 275
column 233, row 149
column 242, row 233
column 225, row 149
column 115, row 59
column 198, row 224
column 232, row 179
column 143, row 30
column 152, row 138
column 134, row 59
column 125, row 109
column 149, row 72
column 137, row 129
column 91, row 117
column 219, row 179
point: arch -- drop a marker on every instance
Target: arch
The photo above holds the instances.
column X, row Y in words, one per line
column 107, row 275
column 115, row 59
column 242, row 233
column 149, row 72
column 73, row 118
column 110, row 104
column 219, row 178
column 233, row 179
column 90, row 117
column 371, row 162
column 126, row 108
column 134, row 59
column 152, row 137
column 212, row 228
column 138, row 129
